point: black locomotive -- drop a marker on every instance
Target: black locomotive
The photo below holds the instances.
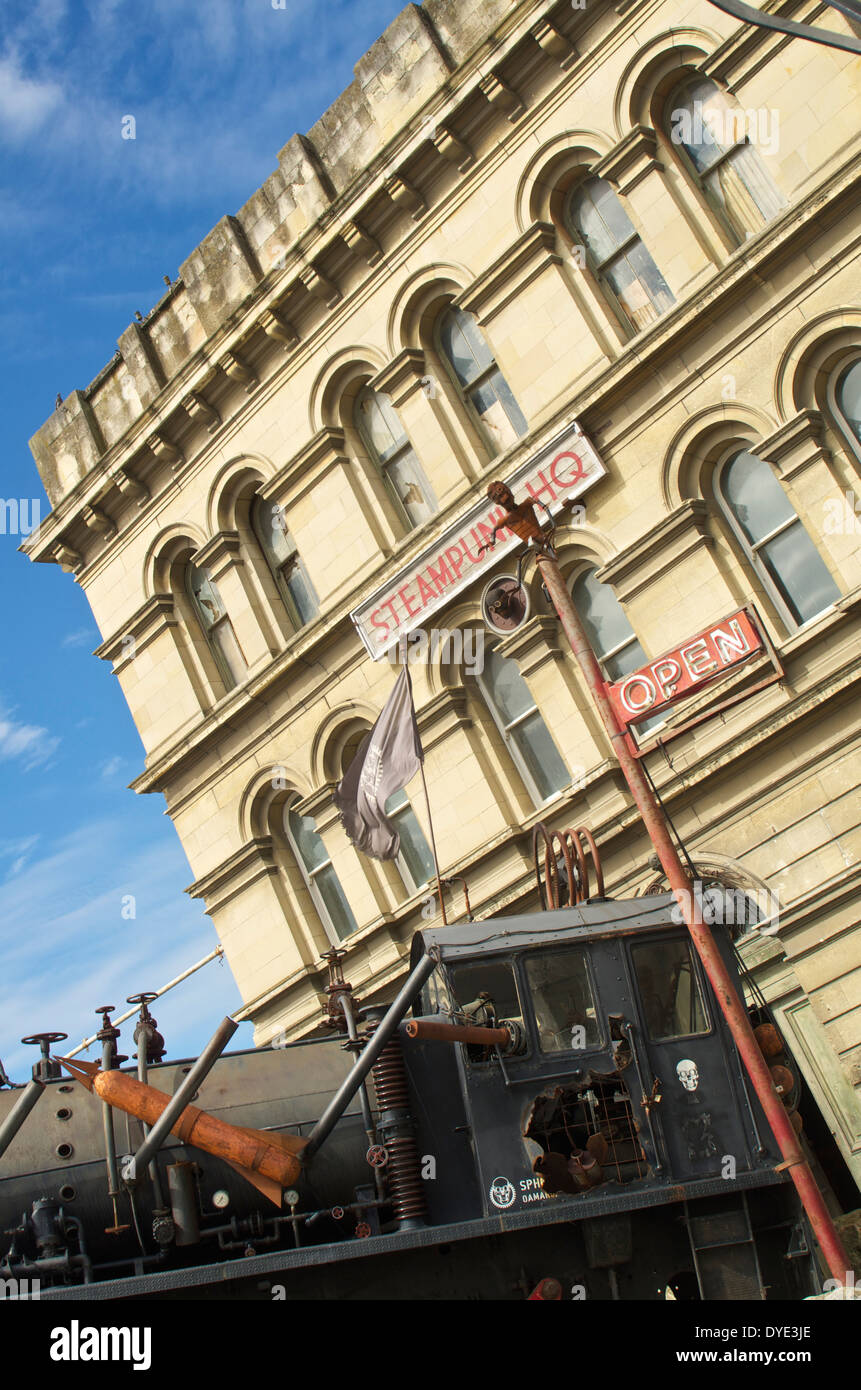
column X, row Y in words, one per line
column 589, row 1132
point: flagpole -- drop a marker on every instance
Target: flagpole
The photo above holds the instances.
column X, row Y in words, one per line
column 425, row 785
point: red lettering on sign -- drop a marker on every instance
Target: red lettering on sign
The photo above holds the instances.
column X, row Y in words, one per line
column 535, row 492
column 426, row 593
column 455, row 559
column 406, row 600
column 441, row 577
column 577, row 469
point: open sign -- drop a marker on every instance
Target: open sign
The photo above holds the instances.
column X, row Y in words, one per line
column 685, row 669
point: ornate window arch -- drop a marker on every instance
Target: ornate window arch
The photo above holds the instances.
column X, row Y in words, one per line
column 215, row 625
column 615, row 253
column 318, row 873
column 390, row 450
column 707, row 131
column 480, row 385
column 843, row 399
column 269, row 526
column 520, row 723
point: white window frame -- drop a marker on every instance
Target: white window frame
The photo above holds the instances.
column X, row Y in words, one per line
column 210, row 629
column 308, row 877
column 510, row 744
column 852, row 358
column 382, row 465
column 277, row 570
column 484, row 375
column 596, row 268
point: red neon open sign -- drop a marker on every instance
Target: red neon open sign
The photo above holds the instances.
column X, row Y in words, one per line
column 685, row 669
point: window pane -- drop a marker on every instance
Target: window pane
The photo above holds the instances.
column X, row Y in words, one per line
column 303, row 831
column 224, row 638
column 563, row 1001
column 508, row 689
column 669, row 991
column 758, row 502
column 378, row 422
column 602, row 614
column 600, row 218
column 327, row 884
column 414, row 847
column 300, row 591
column 800, row 573
column 699, row 121
column 209, row 602
column 541, row 756
column 486, row 990
column 408, row 483
column 494, row 417
column 465, row 346
column 650, row 277
column 848, row 396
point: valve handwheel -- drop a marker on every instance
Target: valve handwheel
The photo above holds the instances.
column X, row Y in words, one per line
column 146, row 997
column 47, row 1038
column 377, row 1156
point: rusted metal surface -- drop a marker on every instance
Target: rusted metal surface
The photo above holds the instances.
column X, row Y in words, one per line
column 427, row 1030
column 565, row 845
column 397, row 1131
column 257, row 1155
column 729, row 1000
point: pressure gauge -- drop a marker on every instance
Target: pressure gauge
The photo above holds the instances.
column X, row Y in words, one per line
column 291, row 1197
column 221, row 1199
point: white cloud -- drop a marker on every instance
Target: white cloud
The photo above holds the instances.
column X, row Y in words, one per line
column 82, row 637
column 26, row 103
column 18, row 851
column 110, row 769
column 32, row 744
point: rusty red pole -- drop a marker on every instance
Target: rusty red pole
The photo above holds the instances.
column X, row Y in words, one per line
column 730, row 1004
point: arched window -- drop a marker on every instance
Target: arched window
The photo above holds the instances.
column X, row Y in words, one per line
column 776, row 542
column 719, row 153
column 518, row 719
column 481, row 383
column 611, row 636
column 282, row 557
column 415, row 861
column 216, row 626
column 615, row 253
column 319, row 874
column 390, row 449
column 844, row 399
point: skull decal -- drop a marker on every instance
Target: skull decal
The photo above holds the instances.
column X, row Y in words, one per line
column 502, row 1193
column 686, row 1071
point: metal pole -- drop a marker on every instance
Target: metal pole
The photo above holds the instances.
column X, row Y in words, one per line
column 364, row 1098
column 433, row 847
column 722, row 983
column 351, row 1083
column 171, row 984
column 154, row 1177
column 169, row 1116
column 19, row 1112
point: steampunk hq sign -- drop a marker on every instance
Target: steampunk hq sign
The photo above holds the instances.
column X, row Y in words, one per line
column 564, row 469
column 684, row 670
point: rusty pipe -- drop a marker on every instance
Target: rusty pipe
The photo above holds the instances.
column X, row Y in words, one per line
column 428, row 1030
column 722, row 983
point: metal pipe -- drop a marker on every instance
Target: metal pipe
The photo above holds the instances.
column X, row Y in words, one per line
column 158, row 1195
column 19, row 1112
column 88, row 1042
column 174, row 1108
column 729, row 1002
column 428, row 1030
column 364, row 1098
column 351, row 1083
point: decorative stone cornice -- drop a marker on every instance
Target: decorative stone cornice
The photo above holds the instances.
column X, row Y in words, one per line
column 239, row 371
column 131, row 487
column 255, row 860
column 663, row 548
column 502, row 97
column 69, row 560
column 451, row 148
column 361, row 243
column 443, row 716
column 306, row 469
column 152, row 618
column 200, row 411
column 99, row 522
column 319, row 286
column 165, row 451
column 508, row 276
column 278, row 328
column 554, row 44
column 631, row 160
column 403, row 376
column 797, row 445
column 534, row 644
column 220, row 553
column 320, row 805
column 406, row 197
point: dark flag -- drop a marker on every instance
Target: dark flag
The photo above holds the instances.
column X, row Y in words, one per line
column 389, row 757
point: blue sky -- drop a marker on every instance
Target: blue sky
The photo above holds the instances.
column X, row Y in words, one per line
column 89, row 225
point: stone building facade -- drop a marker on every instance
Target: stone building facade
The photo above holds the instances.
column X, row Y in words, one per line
column 523, row 229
